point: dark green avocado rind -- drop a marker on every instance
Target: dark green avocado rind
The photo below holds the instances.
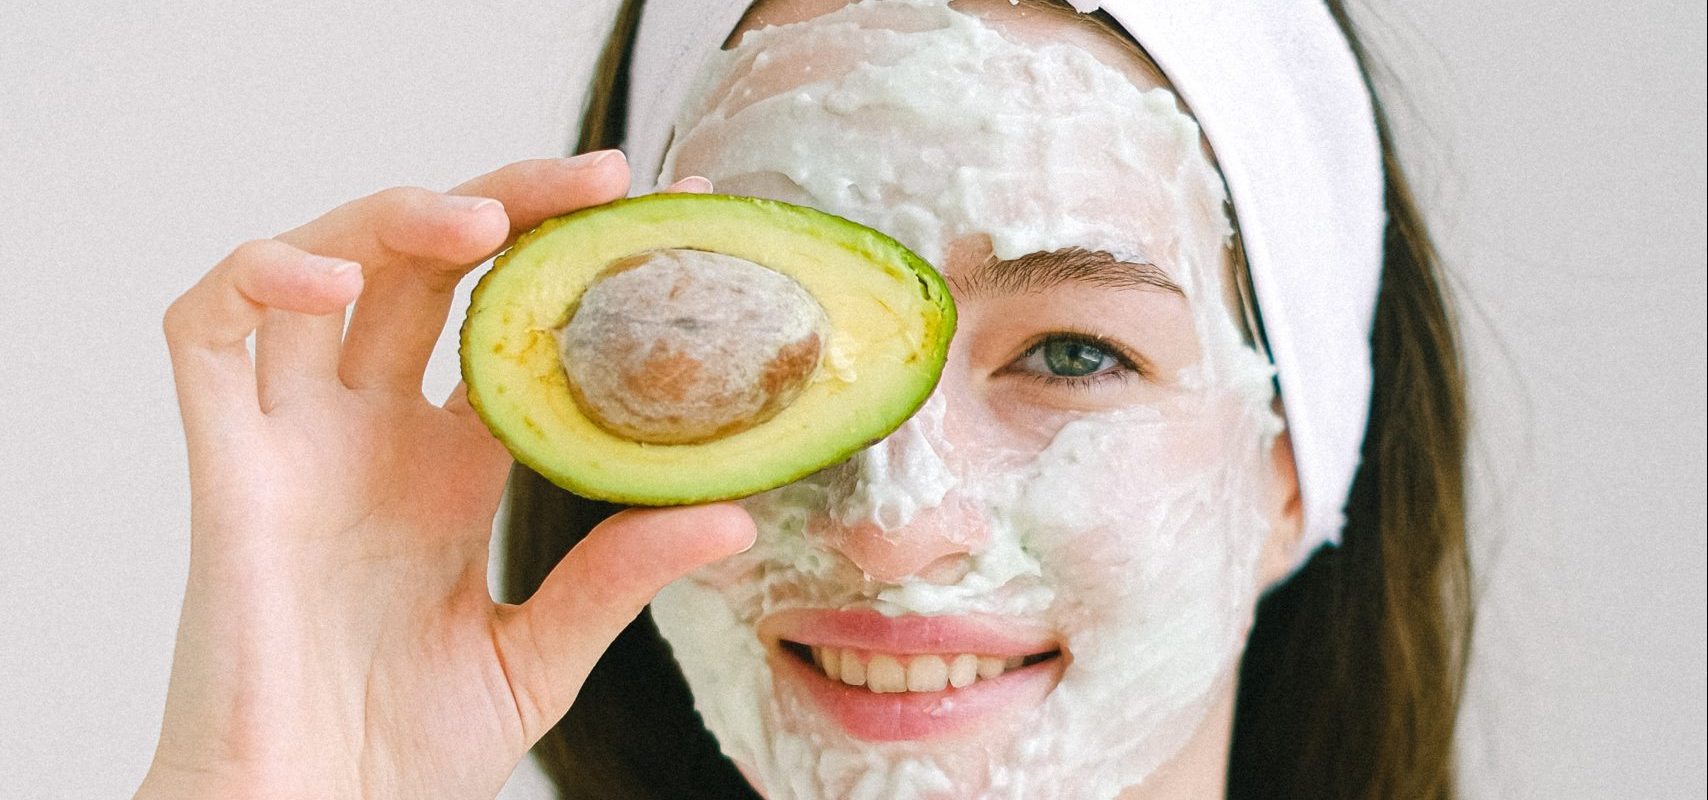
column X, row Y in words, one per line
column 866, row 243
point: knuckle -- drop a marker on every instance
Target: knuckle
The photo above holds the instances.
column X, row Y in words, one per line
column 252, row 252
column 599, row 594
column 606, row 609
column 403, row 199
column 187, row 314
column 177, row 321
column 183, row 314
column 530, row 169
column 389, row 213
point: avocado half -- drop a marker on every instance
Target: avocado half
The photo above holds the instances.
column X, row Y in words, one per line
column 889, row 314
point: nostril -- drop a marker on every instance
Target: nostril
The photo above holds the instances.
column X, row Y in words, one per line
column 936, row 546
column 946, row 570
column 892, row 558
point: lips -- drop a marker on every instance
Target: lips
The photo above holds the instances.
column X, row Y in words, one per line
column 905, row 678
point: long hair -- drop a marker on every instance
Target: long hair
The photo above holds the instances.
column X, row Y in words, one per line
column 1350, row 684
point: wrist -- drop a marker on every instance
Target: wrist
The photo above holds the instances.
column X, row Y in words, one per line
column 165, row 782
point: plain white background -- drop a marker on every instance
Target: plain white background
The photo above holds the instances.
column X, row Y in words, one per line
column 1559, row 149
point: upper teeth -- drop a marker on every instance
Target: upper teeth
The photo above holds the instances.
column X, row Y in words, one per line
column 883, row 672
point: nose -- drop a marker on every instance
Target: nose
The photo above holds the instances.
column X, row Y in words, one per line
column 934, row 546
column 899, row 509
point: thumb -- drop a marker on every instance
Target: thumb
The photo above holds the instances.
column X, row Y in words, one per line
column 550, row 643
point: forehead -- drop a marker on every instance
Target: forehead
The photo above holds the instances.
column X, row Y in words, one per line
column 1032, row 129
column 1026, row 21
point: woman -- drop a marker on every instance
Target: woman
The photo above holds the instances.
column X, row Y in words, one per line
column 1085, row 513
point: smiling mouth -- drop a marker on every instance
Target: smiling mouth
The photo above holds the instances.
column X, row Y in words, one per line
column 895, row 673
column 884, row 679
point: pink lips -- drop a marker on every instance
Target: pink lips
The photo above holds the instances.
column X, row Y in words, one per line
column 873, row 716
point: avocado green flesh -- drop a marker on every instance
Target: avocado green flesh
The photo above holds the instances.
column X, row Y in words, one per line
column 890, row 315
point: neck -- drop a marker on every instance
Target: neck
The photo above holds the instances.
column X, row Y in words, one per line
column 1200, row 771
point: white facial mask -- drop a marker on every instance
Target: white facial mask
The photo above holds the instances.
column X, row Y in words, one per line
column 1134, row 535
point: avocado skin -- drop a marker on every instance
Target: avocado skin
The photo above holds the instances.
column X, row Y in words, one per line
column 711, row 476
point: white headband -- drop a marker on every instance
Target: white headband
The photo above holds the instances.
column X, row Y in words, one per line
column 1278, row 94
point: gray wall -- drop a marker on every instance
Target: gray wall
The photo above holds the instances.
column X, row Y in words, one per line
column 1559, row 148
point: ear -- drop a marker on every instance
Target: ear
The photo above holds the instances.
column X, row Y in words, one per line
column 1285, row 513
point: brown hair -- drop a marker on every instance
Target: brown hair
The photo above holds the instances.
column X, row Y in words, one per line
column 1350, row 684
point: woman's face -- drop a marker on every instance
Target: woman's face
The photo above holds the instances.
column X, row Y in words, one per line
column 1040, row 585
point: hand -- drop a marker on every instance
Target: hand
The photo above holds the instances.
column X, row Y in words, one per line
column 337, row 637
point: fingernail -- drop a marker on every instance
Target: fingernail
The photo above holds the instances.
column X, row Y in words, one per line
column 693, row 183
column 595, row 158
column 334, row 267
column 465, row 203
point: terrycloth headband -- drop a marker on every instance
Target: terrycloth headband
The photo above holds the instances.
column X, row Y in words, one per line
column 1276, row 90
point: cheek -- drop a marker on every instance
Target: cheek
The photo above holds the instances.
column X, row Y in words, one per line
column 1150, row 526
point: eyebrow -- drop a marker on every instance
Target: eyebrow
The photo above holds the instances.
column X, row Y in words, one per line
column 1040, row 272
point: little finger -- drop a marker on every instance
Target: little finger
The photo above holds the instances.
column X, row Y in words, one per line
column 207, row 327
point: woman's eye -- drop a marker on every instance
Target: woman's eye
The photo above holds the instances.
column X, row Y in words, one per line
column 1069, row 359
column 1074, row 359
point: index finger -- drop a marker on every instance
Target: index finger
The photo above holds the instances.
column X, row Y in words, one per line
column 536, row 190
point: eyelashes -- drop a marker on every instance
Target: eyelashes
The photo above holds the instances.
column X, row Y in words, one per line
column 1077, row 360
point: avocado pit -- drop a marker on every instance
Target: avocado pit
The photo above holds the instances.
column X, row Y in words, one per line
column 681, row 346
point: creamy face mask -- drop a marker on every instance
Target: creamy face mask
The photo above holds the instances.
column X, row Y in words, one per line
column 1118, row 547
